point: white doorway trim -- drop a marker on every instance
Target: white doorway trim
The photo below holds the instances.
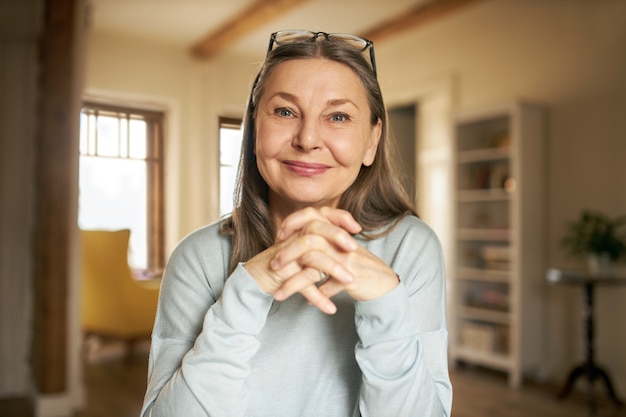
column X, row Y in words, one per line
column 435, row 104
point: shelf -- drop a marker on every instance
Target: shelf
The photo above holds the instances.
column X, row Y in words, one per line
column 483, row 155
column 486, row 195
column 483, row 314
column 486, row 235
column 500, row 238
column 493, row 360
column 483, row 275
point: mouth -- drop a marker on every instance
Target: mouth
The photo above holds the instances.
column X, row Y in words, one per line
column 307, row 169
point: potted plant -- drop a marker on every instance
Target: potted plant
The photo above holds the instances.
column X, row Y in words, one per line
column 599, row 238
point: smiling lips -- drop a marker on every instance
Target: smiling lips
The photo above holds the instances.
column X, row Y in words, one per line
column 307, row 169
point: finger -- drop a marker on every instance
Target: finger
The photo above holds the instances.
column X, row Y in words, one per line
column 331, row 288
column 305, row 278
column 312, row 259
column 319, row 300
column 309, row 291
column 322, row 238
column 343, row 219
column 323, row 268
column 337, row 217
column 296, row 248
column 332, row 233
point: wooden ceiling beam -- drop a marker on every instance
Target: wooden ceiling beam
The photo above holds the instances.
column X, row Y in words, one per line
column 423, row 13
column 255, row 15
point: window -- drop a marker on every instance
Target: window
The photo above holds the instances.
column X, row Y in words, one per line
column 121, row 178
column 230, row 149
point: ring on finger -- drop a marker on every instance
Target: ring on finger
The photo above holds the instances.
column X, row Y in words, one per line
column 323, row 278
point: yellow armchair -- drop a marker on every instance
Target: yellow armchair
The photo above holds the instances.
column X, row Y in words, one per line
column 113, row 302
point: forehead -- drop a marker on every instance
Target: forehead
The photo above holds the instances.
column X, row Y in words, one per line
column 316, row 75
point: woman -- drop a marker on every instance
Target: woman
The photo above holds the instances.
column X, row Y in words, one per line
column 323, row 293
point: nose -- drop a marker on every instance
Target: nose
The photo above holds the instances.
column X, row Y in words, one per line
column 309, row 135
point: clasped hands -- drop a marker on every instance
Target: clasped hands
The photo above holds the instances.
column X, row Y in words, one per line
column 312, row 243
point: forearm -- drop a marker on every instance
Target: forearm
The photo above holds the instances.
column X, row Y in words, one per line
column 404, row 370
column 208, row 383
column 207, row 377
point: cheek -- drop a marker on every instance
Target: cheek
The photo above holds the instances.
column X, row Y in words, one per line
column 344, row 153
column 349, row 151
column 269, row 142
column 262, row 147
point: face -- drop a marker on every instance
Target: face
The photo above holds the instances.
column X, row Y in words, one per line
column 313, row 133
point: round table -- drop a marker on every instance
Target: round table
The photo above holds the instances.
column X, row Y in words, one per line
column 588, row 368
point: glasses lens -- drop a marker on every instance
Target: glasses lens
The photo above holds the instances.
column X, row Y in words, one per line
column 285, row 37
column 356, row 42
column 293, row 36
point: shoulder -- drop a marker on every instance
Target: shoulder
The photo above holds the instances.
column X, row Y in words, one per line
column 192, row 281
column 419, row 236
column 408, row 230
column 409, row 241
column 206, row 240
column 413, row 250
column 412, row 224
column 203, row 254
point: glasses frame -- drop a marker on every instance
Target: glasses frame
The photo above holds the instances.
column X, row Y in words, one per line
column 313, row 37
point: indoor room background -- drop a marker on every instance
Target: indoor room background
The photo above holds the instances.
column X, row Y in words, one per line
column 566, row 56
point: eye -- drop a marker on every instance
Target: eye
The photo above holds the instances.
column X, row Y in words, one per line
column 339, row 117
column 283, row 112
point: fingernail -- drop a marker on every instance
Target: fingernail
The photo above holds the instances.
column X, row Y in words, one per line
column 352, row 244
column 330, row 308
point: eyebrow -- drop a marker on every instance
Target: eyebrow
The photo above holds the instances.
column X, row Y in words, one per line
column 340, row 101
column 331, row 102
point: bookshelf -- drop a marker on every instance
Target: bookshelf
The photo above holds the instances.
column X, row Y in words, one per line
column 499, row 239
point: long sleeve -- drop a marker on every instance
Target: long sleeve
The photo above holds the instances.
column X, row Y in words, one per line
column 204, row 335
column 402, row 348
column 221, row 347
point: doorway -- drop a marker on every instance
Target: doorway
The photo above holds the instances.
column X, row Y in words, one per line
column 420, row 122
column 402, row 131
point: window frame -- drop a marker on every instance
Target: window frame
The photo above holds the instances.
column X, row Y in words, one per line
column 155, row 163
column 228, row 123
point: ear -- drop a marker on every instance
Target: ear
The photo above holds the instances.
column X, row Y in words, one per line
column 370, row 151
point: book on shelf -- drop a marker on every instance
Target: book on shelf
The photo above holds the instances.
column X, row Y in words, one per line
column 496, row 257
column 487, row 296
column 485, row 338
column 478, row 337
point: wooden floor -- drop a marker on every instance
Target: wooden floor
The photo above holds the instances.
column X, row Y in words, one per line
column 115, row 389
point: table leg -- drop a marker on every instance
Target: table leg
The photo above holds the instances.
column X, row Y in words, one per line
column 576, row 373
column 589, row 368
column 599, row 372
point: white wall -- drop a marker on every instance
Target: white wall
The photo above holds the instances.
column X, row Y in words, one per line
column 567, row 54
column 193, row 95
